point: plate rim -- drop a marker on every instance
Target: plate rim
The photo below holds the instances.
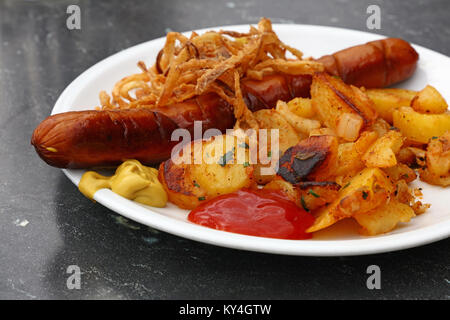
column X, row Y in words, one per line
column 188, row 230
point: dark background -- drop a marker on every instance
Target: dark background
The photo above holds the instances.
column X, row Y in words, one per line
column 120, row 259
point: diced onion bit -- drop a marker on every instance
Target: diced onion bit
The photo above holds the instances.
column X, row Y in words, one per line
column 348, row 126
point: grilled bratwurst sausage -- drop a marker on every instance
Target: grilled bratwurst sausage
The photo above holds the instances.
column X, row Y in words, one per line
column 84, row 139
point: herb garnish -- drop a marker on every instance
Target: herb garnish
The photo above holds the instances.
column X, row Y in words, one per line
column 226, row 158
column 365, row 195
column 311, row 192
column 302, row 200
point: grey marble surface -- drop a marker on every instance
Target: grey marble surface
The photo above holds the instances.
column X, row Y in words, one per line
column 120, row 259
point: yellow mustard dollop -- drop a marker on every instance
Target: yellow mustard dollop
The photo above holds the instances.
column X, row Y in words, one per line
column 132, row 180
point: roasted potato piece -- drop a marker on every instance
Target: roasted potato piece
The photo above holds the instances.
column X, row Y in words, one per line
column 403, row 193
column 309, row 195
column 322, row 132
column 384, row 218
column 285, row 188
column 206, row 169
column 343, row 108
column 381, row 154
column 401, row 171
column 311, row 159
column 387, row 100
column 406, row 156
column 314, row 195
column 380, row 126
column 288, row 137
column 438, row 155
column 366, row 191
column 272, row 119
column 437, row 169
column 302, row 107
column 429, row 100
column 420, row 127
column 301, row 125
column 350, row 154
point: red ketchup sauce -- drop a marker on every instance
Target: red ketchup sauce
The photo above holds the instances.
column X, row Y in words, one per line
column 262, row 213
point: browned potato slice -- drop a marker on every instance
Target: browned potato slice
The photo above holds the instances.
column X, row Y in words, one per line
column 438, row 155
column 221, row 166
column 401, row 172
column 284, row 187
column 309, row 194
column 427, row 176
column 380, row 126
column 429, row 100
column 302, row 107
column 350, row 154
column 366, row 191
column 388, row 100
column 272, row 119
column 322, row 132
column 420, row 127
column 314, row 195
column 311, row 159
column 384, row 218
column 302, row 125
column 341, row 106
column 288, row 137
column 437, row 171
column 381, row 154
column 406, row 156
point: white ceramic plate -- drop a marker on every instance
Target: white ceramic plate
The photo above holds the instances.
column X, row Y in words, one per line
column 338, row 240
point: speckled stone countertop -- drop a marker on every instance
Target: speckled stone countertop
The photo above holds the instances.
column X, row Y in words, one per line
column 46, row 225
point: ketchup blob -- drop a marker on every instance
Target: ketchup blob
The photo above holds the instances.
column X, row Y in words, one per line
column 262, row 213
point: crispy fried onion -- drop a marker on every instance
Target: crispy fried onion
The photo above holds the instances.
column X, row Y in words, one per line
column 211, row 62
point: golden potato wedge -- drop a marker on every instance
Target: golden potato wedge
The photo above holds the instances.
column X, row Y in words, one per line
column 382, row 153
column 406, row 156
column 302, row 107
column 310, row 195
column 301, row 125
column 206, row 169
column 438, row 155
column 366, row 191
column 401, row 172
column 428, row 177
column 341, row 106
column 380, row 126
column 285, row 188
column 272, row 119
column 420, row 127
column 384, row 218
column 437, row 169
column 349, row 161
column 387, row 100
column 429, row 100
column 403, row 192
column 314, row 195
column 311, row 159
column 322, row 132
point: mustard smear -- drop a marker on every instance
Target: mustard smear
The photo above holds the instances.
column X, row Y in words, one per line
column 132, row 180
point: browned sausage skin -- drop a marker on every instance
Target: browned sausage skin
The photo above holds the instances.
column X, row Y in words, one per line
column 86, row 139
column 83, row 139
column 375, row 64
